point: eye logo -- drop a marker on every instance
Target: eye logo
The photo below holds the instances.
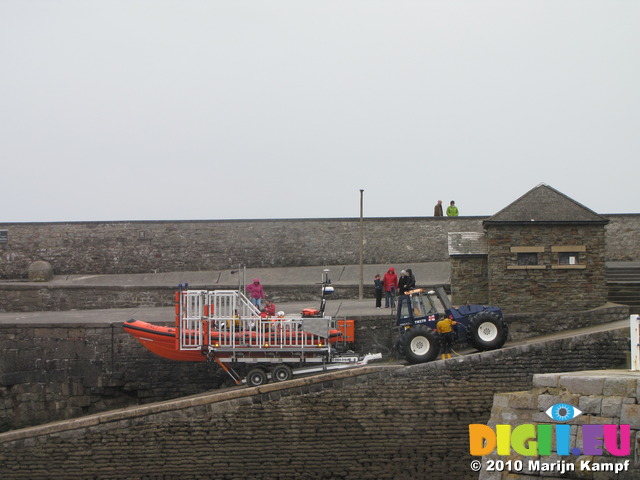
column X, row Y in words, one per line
column 563, row 412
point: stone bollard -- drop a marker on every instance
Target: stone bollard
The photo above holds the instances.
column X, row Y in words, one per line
column 40, row 271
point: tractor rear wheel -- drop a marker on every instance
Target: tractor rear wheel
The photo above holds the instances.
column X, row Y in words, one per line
column 420, row 344
column 257, row 376
column 487, row 331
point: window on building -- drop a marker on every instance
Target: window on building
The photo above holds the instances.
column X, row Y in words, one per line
column 568, row 258
column 527, row 258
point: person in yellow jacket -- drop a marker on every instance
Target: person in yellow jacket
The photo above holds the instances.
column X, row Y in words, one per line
column 445, row 329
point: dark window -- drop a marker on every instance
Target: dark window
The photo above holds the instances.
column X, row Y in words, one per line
column 568, row 258
column 527, row 258
column 4, row 236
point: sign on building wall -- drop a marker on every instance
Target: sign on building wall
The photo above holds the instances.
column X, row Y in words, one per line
column 4, row 236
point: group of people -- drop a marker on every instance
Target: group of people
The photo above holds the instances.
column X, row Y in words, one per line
column 391, row 285
column 452, row 210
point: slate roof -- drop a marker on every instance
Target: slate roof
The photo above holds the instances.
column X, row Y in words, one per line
column 544, row 205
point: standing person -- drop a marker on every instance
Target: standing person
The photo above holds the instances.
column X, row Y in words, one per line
column 452, row 210
column 402, row 283
column 379, row 286
column 411, row 280
column 437, row 210
column 445, row 329
column 390, row 283
column 256, row 292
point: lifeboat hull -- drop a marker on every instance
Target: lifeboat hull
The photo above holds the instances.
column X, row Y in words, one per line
column 161, row 340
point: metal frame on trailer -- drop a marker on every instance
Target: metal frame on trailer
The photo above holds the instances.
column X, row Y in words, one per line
column 228, row 328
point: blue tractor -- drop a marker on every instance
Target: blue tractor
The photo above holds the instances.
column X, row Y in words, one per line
column 478, row 326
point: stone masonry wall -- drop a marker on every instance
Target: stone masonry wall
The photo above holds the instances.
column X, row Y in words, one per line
column 529, row 325
column 546, row 286
column 469, row 279
column 143, row 247
column 409, row 422
column 30, row 297
column 622, row 235
column 54, row 372
column 610, row 397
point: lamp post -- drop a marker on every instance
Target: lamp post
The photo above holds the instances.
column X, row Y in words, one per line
column 361, row 286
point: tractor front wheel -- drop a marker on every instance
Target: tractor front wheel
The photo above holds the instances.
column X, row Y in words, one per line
column 487, row 331
column 420, row 345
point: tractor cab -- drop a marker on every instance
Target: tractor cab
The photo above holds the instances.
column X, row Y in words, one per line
column 422, row 307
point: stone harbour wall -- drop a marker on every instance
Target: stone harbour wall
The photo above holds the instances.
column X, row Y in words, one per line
column 384, row 422
column 528, row 325
column 164, row 246
column 53, row 372
column 622, row 235
column 36, row 297
column 143, row 247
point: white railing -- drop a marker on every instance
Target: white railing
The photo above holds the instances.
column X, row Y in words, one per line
column 226, row 319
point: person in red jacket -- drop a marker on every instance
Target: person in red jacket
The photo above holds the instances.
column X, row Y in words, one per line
column 390, row 284
column 269, row 308
column 256, row 293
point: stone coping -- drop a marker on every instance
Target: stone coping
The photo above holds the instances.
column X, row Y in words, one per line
column 595, row 382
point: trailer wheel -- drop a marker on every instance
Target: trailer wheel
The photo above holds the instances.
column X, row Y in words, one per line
column 257, row 376
column 420, row 344
column 281, row 372
column 487, row 331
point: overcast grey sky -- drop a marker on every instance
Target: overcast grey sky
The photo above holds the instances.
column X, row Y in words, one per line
column 154, row 110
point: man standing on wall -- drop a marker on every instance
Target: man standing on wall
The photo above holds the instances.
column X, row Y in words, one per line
column 452, row 210
column 437, row 210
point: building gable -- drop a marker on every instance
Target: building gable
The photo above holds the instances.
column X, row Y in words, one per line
column 545, row 205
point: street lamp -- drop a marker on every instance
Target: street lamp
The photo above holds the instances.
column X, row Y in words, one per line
column 361, row 286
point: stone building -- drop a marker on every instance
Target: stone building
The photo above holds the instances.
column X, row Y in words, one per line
column 543, row 252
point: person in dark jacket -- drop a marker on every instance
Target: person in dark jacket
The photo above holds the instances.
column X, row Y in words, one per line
column 411, row 282
column 402, row 283
column 437, row 210
column 379, row 286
